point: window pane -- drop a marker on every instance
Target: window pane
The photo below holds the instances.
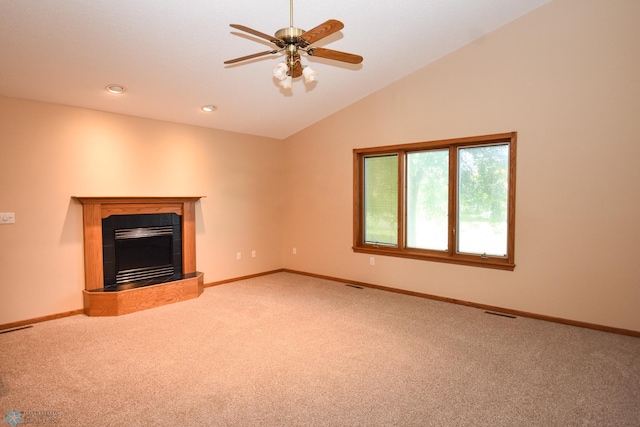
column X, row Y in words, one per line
column 428, row 199
column 381, row 199
column 483, row 195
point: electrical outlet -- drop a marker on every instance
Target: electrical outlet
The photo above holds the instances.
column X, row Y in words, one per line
column 295, row 251
column 239, row 256
column 372, row 261
column 7, row 217
column 253, row 253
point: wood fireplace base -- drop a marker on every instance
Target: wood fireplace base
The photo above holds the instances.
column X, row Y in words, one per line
column 116, row 303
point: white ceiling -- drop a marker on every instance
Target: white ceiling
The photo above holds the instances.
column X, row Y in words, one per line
column 169, row 54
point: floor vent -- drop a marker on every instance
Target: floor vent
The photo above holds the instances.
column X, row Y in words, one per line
column 501, row 314
column 354, row 286
column 16, row 329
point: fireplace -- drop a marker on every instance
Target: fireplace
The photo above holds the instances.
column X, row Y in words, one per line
column 140, row 250
column 139, row 253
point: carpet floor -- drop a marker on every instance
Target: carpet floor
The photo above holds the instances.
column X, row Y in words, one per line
column 291, row 350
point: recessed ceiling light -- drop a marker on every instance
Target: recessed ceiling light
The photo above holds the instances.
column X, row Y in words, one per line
column 117, row 89
column 209, row 108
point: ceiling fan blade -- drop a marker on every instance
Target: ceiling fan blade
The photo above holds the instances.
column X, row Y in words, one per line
column 335, row 55
column 244, row 58
column 321, row 31
column 272, row 39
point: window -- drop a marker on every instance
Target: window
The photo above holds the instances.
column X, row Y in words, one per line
column 449, row 201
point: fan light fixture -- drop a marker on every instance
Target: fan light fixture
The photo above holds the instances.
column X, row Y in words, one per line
column 281, row 72
column 294, row 41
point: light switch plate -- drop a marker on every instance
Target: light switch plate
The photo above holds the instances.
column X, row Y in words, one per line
column 7, row 217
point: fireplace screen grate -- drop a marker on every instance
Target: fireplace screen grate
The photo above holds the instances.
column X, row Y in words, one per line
column 141, row 248
column 142, row 232
column 151, row 251
column 137, row 274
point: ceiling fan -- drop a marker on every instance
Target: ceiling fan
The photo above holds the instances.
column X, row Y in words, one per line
column 293, row 41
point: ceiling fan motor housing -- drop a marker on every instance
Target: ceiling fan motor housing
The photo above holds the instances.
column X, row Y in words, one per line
column 291, row 35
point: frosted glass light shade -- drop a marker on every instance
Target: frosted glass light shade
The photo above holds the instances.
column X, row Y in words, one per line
column 287, row 83
column 280, row 71
column 309, row 74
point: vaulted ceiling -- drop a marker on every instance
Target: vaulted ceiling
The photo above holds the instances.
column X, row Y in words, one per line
column 169, row 54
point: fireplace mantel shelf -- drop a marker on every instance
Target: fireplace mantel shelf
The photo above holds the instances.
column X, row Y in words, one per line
column 134, row 199
column 95, row 209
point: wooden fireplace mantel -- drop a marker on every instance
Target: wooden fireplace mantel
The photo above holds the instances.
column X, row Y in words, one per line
column 95, row 209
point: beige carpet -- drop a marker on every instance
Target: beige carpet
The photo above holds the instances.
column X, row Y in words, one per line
column 292, row 350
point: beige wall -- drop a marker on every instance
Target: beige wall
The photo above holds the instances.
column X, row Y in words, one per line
column 566, row 78
column 50, row 153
